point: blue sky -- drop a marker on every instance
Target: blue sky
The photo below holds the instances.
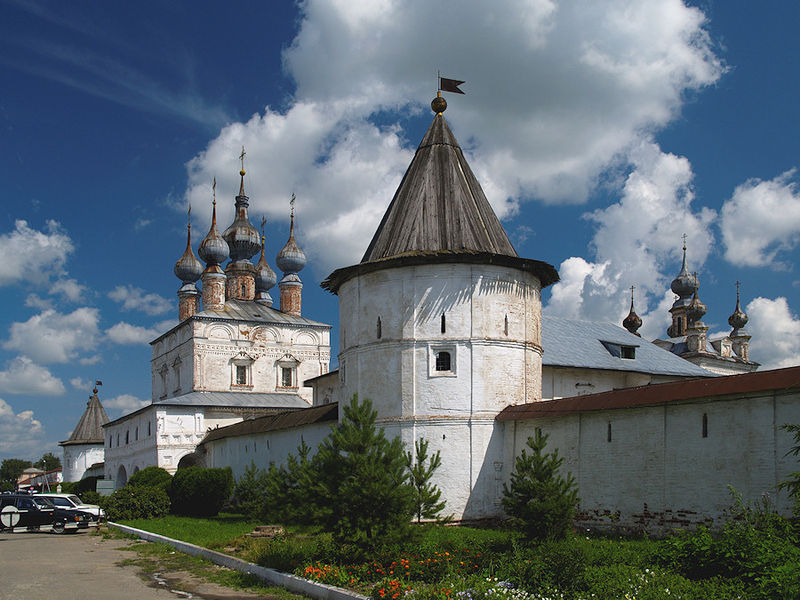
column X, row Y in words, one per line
column 601, row 132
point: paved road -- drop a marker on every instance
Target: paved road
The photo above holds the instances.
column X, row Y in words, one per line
column 82, row 566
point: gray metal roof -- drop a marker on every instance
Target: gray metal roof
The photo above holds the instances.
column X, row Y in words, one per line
column 283, row 420
column 262, row 401
column 571, row 343
column 439, row 205
column 235, row 400
column 89, row 429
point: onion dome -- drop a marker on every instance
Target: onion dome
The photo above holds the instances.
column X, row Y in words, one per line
column 291, row 259
column 213, row 249
column 739, row 318
column 685, row 284
column 265, row 276
column 242, row 238
column 632, row 322
column 695, row 310
column 188, row 269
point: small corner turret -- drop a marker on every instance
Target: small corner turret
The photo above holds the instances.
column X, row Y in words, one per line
column 188, row 269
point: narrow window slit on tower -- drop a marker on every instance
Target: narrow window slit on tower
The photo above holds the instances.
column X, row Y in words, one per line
column 506, row 326
column 608, row 435
column 380, row 332
column 705, row 425
column 444, row 325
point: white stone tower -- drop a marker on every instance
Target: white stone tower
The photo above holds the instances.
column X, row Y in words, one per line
column 440, row 323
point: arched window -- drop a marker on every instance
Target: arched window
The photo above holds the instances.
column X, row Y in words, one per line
column 443, row 361
column 127, row 437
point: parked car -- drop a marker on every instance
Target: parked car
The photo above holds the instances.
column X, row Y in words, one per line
column 34, row 513
column 71, row 501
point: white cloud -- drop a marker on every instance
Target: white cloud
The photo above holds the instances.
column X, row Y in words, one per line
column 69, row 289
column 134, row 298
column 33, row 256
column 124, row 404
column 776, row 333
column 23, row 376
column 637, row 242
column 556, row 94
column 35, row 301
column 53, row 337
column 81, row 384
column 20, row 433
column 761, row 220
column 125, row 333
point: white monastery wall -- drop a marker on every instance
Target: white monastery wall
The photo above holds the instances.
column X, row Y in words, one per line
column 261, row 449
column 658, row 471
column 78, row 458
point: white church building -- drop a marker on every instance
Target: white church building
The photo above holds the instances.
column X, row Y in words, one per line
column 441, row 326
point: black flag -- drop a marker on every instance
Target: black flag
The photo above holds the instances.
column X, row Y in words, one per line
column 450, row 85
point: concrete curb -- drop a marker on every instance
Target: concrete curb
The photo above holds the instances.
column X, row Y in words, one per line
column 318, row 591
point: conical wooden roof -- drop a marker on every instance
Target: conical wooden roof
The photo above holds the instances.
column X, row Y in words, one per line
column 439, row 214
column 90, row 428
column 439, row 205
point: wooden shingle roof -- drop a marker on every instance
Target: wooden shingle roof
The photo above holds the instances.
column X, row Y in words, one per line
column 439, row 214
column 90, row 428
column 439, row 205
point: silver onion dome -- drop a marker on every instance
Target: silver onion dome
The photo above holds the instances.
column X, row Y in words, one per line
column 188, row 269
column 265, row 276
column 291, row 259
column 685, row 284
column 213, row 249
column 241, row 237
column 739, row 318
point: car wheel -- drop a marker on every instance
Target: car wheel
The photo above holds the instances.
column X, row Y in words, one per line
column 58, row 528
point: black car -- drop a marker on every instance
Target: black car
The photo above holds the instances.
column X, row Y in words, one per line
column 31, row 513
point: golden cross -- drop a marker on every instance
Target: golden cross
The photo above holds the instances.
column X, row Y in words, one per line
column 241, row 157
column 291, row 203
column 214, row 190
column 684, row 241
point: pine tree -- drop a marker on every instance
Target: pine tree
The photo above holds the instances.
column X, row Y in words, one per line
column 426, row 495
column 540, row 499
column 363, row 481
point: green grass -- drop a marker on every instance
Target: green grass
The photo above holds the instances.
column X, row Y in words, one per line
column 213, row 532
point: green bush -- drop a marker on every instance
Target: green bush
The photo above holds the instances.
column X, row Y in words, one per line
column 87, row 484
column 200, row 492
column 249, row 492
column 152, row 477
column 555, row 564
column 68, row 487
column 135, row 502
column 286, row 553
column 90, row 497
column 755, row 544
column 540, row 500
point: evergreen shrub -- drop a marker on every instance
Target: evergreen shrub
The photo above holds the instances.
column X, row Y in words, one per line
column 200, row 492
column 540, row 500
column 249, row 492
column 362, row 482
column 135, row 502
column 152, row 477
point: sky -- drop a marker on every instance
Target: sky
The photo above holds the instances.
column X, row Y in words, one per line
column 600, row 130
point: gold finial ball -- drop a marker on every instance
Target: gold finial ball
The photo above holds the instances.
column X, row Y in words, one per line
column 241, row 172
column 439, row 105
